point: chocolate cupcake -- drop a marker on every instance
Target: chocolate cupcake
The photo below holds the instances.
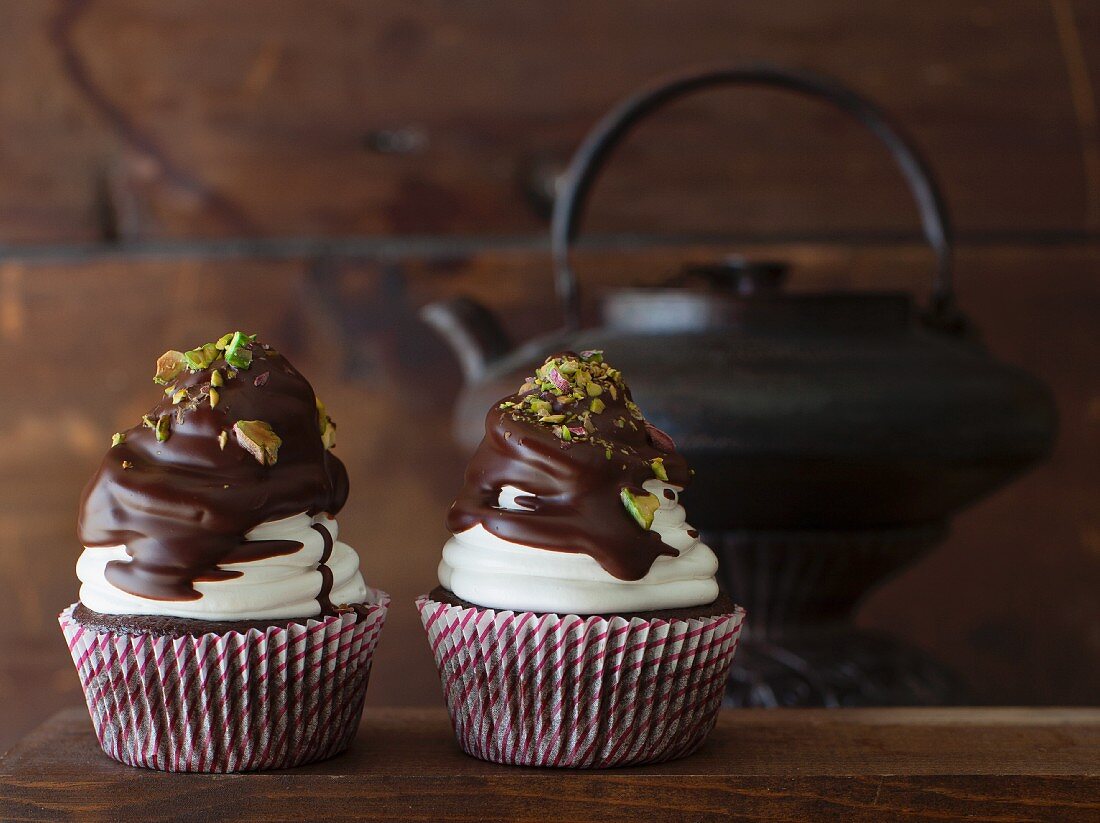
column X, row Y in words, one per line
column 578, row 621
column 222, row 625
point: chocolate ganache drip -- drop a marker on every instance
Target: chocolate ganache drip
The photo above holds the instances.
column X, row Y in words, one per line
column 575, row 441
column 239, row 439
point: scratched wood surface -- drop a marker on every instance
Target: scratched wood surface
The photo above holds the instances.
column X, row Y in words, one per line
column 863, row 764
column 175, row 119
column 1009, row 600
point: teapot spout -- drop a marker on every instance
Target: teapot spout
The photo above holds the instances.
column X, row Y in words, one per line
column 471, row 330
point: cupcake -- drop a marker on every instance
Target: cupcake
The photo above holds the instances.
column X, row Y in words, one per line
column 578, row 621
column 222, row 625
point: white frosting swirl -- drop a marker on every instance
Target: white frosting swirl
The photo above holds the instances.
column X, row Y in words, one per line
column 495, row 573
column 272, row 588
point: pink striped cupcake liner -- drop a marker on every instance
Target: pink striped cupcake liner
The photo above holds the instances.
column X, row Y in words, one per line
column 579, row 692
column 234, row 702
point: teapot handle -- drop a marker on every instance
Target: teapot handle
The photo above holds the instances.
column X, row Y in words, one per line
column 596, row 147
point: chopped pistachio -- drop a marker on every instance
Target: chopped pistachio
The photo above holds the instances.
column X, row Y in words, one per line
column 214, row 397
column 596, row 405
column 148, row 422
column 179, row 396
column 126, row 464
column 658, row 466
column 592, row 356
column 223, row 341
column 613, row 391
column 236, row 352
column 607, row 452
column 564, row 433
column 258, row 439
column 594, row 389
column 198, row 359
column 527, row 386
column 216, row 378
column 223, row 438
column 164, row 428
column 169, row 390
column 553, row 418
column 328, row 436
column 169, row 365
column 116, row 438
column 640, row 506
column 322, row 414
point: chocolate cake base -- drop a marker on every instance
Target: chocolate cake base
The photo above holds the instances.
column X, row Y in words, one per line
column 188, row 627
column 723, row 605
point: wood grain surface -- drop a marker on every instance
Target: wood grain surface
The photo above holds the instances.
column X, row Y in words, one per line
column 175, row 119
column 981, row 764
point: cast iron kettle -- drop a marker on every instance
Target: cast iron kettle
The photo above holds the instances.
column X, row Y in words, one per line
column 814, row 421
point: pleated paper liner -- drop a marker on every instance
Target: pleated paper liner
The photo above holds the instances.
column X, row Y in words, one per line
column 262, row 699
column 581, row 692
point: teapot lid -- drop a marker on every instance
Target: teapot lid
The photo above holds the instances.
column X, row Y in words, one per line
column 737, row 293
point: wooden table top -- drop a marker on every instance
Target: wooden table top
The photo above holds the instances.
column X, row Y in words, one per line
column 851, row 764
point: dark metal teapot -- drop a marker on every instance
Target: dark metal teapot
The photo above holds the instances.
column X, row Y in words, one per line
column 813, row 420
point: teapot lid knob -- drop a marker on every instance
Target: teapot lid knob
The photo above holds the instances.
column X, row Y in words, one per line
column 736, row 274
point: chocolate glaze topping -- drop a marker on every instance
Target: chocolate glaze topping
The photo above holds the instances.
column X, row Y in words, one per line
column 574, row 439
column 181, row 489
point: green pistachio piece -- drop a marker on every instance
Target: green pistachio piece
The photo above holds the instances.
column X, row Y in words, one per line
column 179, row 396
column 658, row 466
column 554, row 418
column 216, row 378
column 596, row 405
column 214, row 397
column 170, row 390
column 164, row 428
column 223, row 341
column 613, row 391
column 198, row 359
column 328, row 436
column 564, row 433
column 116, row 438
column 258, row 439
column 236, row 353
column 148, row 422
column 594, row 389
column 169, row 365
column 322, row 415
column 607, row 452
column 223, row 438
column 640, row 506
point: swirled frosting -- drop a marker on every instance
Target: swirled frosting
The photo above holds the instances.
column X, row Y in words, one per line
column 219, row 504
column 571, row 504
column 267, row 588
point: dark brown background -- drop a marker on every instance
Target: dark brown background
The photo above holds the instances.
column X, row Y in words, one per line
column 317, row 171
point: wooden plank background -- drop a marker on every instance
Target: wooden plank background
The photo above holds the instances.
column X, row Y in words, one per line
column 318, row 171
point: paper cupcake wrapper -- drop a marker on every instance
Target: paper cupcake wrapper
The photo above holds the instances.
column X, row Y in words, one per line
column 262, row 699
column 582, row 692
